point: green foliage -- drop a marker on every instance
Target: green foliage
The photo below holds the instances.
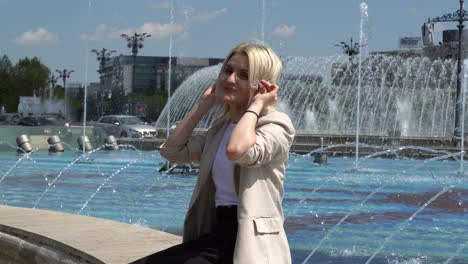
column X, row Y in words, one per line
column 93, row 108
column 6, row 86
column 26, row 78
column 5, row 64
column 58, row 92
column 118, row 102
column 29, row 76
column 154, row 102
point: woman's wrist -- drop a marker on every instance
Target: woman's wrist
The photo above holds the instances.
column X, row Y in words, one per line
column 198, row 111
column 256, row 106
column 202, row 107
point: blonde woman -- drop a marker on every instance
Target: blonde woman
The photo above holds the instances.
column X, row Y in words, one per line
column 235, row 213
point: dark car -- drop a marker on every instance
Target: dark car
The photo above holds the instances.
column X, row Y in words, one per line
column 9, row 119
column 42, row 120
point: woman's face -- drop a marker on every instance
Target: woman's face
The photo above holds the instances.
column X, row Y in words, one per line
column 233, row 86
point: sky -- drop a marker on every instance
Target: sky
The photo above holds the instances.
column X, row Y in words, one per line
column 61, row 33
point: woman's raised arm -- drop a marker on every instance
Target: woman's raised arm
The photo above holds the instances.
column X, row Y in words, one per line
column 184, row 129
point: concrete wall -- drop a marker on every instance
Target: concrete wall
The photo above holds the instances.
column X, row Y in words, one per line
column 41, row 236
column 19, row 246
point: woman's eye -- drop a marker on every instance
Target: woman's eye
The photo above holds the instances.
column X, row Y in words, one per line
column 244, row 77
column 228, row 71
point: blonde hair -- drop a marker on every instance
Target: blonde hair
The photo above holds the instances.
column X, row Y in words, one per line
column 264, row 64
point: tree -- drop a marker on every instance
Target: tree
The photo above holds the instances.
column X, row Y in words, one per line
column 30, row 77
column 58, row 92
column 155, row 103
column 77, row 104
column 118, row 102
column 27, row 77
column 7, row 97
column 5, row 64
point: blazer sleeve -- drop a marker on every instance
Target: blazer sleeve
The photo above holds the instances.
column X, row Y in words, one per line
column 190, row 152
column 272, row 141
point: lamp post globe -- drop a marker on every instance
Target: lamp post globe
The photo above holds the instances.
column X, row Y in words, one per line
column 135, row 42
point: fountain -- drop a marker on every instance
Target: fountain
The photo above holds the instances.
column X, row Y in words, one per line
column 391, row 209
column 404, row 210
column 391, row 86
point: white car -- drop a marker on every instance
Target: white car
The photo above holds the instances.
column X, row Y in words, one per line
column 126, row 126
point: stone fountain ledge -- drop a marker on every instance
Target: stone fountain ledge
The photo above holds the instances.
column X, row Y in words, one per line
column 305, row 143
column 40, row 236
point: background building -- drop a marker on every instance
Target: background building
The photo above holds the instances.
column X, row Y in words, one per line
column 426, row 46
column 448, row 47
column 151, row 72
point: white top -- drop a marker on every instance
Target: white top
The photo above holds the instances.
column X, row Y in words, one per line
column 223, row 173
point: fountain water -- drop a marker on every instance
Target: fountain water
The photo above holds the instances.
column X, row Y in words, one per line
column 169, row 78
column 389, row 211
column 390, row 208
column 262, row 30
column 363, row 36
column 327, row 86
column 396, row 96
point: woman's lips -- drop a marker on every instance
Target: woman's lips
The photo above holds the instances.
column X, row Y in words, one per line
column 229, row 89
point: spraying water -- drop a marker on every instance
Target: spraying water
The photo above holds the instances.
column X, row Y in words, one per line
column 263, row 20
column 390, row 84
column 363, row 37
column 85, row 95
column 169, row 76
column 462, row 140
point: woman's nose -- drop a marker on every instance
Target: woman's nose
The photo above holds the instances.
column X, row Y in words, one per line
column 231, row 77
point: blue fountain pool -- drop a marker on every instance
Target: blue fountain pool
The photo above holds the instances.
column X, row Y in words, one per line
column 398, row 210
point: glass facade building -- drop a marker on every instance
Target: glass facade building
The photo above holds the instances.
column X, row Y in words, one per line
column 151, row 72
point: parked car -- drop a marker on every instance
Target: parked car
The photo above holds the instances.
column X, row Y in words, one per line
column 59, row 116
column 126, row 126
column 9, row 119
column 42, row 120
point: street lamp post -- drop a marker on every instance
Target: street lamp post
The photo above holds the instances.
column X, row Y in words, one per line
column 52, row 80
column 351, row 49
column 135, row 42
column 459, row 16
column 103, row 56
column 65, row 74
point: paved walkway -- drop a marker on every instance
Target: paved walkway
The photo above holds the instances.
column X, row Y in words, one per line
column 90, row 238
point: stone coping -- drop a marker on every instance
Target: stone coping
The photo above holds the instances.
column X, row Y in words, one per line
column 41, row 236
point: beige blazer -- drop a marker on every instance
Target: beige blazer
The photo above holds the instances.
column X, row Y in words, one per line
column 259, row 176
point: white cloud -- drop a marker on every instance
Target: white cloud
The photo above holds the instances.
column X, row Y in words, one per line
column 205, row 17
column 160, row 5
column 103, row 32
column 284, row 31
column 161, row 31
column 36, row 37
column 157, row 31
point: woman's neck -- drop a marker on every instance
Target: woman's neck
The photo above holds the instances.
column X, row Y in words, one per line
column 235, row 114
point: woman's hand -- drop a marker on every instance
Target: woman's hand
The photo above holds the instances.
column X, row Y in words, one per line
column 182, row 132
column 267, row 94
column 208, row 99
